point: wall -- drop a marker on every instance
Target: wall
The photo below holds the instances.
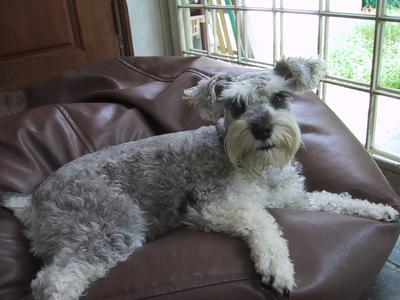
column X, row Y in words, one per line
column 153, row 34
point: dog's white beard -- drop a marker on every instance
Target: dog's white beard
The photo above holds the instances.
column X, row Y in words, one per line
column 243, row 149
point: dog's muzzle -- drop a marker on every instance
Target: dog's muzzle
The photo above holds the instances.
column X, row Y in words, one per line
column 255, row 145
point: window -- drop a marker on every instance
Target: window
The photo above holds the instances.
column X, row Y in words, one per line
column 359, row 39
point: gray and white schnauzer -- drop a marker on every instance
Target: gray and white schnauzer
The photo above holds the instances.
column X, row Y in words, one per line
column 95, row 211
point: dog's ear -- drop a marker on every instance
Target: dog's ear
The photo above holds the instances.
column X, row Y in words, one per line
column 302, row 74
column 205, row 96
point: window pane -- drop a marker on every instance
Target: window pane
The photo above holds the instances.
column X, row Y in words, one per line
column 352, row 6
column 222, row 31
column 304, row 5
column 350, row 46
column 295, row 44
column 387, row 131
column 195, row 29
column 393, row 8
column 256, row 3
column 221, row 2
column 191, row 2
column 259, row 29
column 390, row 66
column 351, row 106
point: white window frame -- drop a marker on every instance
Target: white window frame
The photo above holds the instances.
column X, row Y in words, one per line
column 277, row 9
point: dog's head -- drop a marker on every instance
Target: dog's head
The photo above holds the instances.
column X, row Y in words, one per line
column 260, row 129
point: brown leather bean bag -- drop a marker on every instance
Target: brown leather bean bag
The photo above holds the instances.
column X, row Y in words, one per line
column 119, row 100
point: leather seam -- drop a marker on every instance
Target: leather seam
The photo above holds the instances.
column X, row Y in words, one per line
column 215, row 281
column 75, row 128
column 157, row 77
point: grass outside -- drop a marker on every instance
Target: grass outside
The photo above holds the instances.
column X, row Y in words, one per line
column 351, row 55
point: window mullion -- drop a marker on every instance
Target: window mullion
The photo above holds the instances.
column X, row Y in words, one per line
column 184, row 20
column 324, row 40
column 238, row 31
column 326, row 32
column 281, row 41
column 274, row 33
column 245, row 39
column 321, row 28
column 376, row 62
column 206, row 21
column 214, row 28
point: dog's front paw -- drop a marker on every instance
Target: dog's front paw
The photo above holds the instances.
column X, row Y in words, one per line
column 386, row 213
column 280, row 276
column 283, row 284
column 391, row 215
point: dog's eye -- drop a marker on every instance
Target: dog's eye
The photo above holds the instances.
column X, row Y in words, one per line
column 280, row 100
column 237, row 108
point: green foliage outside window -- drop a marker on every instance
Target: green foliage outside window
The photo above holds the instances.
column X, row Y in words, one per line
column 351, row 56
column 390, row 3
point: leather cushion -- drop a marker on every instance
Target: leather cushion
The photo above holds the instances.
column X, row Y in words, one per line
column 114, row 101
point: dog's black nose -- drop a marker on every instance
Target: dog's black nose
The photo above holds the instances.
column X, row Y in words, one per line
column 261, row 131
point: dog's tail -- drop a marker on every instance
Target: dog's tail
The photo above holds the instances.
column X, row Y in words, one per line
column 20, row 205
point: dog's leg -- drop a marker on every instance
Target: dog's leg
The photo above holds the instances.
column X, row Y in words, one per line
column 344, row 204
column 70, row 273
column 258, row 229
column 87, row 236
column 67, row 276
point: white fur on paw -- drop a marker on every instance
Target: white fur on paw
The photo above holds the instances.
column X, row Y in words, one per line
column 385, row 213
column 280, row 275
column 390, row 214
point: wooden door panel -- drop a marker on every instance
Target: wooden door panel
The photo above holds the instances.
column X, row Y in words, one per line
column 28, row 28
column 43, row 38
column 98, row 30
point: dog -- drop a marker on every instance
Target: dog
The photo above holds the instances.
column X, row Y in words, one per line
column 95, row 211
